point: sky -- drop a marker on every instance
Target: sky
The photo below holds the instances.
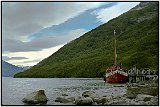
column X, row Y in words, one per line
column 32, row 31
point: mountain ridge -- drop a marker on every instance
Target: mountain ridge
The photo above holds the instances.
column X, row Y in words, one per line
column 8, row 70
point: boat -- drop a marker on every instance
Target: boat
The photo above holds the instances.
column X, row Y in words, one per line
column 115, row 74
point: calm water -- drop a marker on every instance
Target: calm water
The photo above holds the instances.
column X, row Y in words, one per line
column 15, row 89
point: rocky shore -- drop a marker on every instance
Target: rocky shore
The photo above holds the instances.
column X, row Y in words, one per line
column 142, row 93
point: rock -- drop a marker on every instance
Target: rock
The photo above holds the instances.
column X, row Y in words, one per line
column 58, row 103
column 94, row 103
column 59, row 99
column 143, row 97
column 149, row 90
column 141, row 103
column 63, row 99
column 153, row 100
column 85, row 101
column 64, row 94
column 108, row 103
column 132, row 102
column 118, row 97
column 120, row 102
column 102, row 100
column 37, row 97
column 116, row 102
column 77, row 99
column 147, row 102
column 95, row 99
column 131, row 94
column 109, row 97
column 88, row 93
column 135, row 85
column 70, row 99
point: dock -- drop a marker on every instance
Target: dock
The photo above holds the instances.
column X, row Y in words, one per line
column 136, row 75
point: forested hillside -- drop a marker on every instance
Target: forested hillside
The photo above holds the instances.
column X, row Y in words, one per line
column 90, row 55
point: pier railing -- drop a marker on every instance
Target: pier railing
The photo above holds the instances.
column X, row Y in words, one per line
column 136, row 75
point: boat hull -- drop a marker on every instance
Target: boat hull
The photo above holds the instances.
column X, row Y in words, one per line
column 117, row 78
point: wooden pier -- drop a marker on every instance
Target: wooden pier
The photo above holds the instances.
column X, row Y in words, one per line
column 136, row 75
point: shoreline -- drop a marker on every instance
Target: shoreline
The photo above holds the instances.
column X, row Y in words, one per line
column 142, row 93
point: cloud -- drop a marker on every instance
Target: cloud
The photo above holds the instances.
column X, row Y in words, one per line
column 23, row 21
column 11, row 45
column 33, row 57
column 6, row 58
column 85, row 20
column 31, row 61
column 26, row 62
column 106, row 14
column 27, row 18
column 20, row 20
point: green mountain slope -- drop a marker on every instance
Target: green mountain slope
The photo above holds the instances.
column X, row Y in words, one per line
column 90, row 54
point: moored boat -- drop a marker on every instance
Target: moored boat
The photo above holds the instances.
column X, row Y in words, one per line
column 115, row 74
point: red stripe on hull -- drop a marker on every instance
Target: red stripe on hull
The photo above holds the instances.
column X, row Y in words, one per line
column 117, row 78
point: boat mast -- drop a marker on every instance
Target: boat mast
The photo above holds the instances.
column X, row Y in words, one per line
column 121, row 59
column 115, row 54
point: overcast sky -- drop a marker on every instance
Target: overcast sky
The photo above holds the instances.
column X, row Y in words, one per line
column 32, row 31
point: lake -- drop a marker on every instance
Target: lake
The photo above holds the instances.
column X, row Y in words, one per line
column 15, row 89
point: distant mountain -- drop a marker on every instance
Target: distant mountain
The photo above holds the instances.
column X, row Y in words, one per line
column 24, row 67
column 89, row 55
column 8, row 70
